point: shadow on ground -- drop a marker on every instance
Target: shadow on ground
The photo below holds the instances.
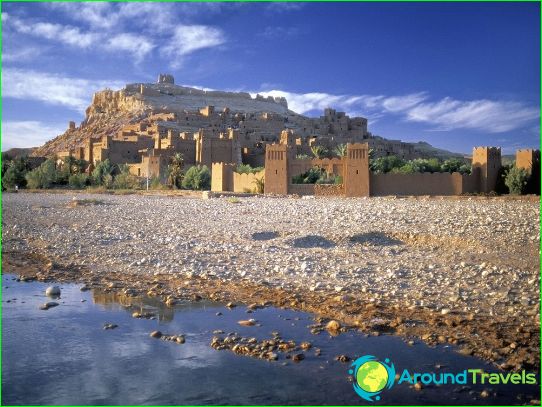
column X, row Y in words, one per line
column 264, row 235
column 312, row 241
column 374, row 239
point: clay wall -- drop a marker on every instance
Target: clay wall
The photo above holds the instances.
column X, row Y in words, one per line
column 246, row 182
column 301, row 189
column 420, row 184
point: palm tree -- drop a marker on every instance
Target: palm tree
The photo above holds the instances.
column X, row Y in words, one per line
column 340, row 150
column 175, row 176
column 318, row 151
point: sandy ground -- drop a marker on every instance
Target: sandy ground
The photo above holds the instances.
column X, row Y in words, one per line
column 441, row 270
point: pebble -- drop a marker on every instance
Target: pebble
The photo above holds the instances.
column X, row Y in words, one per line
column 52, row 291
column 156, row 334
column 249, row 322
column 333, row 325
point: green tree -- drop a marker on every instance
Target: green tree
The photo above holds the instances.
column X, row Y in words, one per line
column 197, row 177
column 382, row 165
column 124, row 179
column 102, row 170
column 45, row 176
column 516, row 180
column 15, row 173
column 452, row 165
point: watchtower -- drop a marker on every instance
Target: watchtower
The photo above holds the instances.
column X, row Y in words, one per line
column 486, row 163
column 356, row 170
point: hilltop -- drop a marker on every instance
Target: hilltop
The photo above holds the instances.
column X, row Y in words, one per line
column 260, row 118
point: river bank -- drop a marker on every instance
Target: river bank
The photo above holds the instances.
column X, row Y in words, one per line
column 462, row 272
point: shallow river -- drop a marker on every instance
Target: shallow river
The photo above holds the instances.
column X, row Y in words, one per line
column 64, row 356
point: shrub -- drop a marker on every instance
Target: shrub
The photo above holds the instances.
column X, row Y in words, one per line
column 302, row 156
column 125, row 180
column 156, row 183
column 78, row 180
column 247, row 169
column 310, row 177
column 107, row 181
column 15, row 172
column 45, row 176
column 516, row 180
column 455, row 165
column 260, row 185
column 382, row 165
column 197, row 177
column 102, row 170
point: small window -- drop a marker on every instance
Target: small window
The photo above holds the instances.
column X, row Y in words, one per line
column 357, row 172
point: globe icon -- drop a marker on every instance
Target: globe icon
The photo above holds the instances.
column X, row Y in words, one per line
column 372, row 376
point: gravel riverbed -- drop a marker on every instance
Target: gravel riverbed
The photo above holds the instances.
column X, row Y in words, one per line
column 464, row 271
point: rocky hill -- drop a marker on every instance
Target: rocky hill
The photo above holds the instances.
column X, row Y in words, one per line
column 111, row 110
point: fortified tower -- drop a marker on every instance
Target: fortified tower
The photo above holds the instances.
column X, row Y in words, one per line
column 165, row 78
column 486, row 163
column 277, row 176
column 528, row 159
column 356, row 170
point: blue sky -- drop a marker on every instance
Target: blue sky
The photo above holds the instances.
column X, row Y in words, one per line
column 452, row 74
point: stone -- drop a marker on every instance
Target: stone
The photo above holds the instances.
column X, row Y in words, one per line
column 298, row 357
column 156, row 334
column 249, row 322
column 342, row 358
column 333, row 325
column 52, row 291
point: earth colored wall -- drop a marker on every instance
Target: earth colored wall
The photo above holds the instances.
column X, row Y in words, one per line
column 421, row 184
column 301, row 189
column 246, row 182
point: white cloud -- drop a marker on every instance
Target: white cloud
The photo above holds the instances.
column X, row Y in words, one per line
column 136, row 45
column 20, row 54
column 445, row 114
column 190, row 38
column 96, row 14
column 486, row 115
column 107, row 23
column 62, row 33
column 23, row 134
column 52, row 89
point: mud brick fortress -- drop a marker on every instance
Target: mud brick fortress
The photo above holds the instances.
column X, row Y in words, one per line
column 224, row 129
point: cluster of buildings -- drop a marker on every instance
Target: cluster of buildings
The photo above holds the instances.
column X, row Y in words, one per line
column 262, row 132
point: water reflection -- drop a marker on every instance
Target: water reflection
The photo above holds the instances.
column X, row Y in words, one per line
column 64, row 356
